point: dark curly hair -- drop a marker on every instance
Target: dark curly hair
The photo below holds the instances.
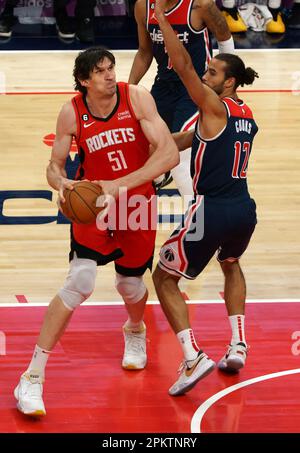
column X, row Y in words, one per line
column 235, row 67
column 86, row 61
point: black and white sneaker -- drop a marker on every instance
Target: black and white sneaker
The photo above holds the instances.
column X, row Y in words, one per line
column 163, row 180
column 64, row 24
column 6, row 24
column 235, row 358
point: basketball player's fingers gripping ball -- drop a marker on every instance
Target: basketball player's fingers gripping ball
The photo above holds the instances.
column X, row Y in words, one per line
column 80, row 204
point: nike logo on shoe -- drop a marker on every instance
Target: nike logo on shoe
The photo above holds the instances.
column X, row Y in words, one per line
column 189, row 371
column 189, row 377
column 85, row 125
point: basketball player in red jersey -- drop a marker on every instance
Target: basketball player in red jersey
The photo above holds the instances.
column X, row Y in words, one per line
column 191, row 20
column 114, row 124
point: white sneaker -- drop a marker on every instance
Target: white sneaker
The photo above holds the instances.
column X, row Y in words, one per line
column 189, row 376
column 28, row 393
column 135, row 357
column 235, row 357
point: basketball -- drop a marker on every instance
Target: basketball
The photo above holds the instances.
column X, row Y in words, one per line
column 80, row 205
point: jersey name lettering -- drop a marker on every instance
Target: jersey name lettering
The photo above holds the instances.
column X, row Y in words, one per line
column 157, row 36
column 243, row 126
column 110, row 138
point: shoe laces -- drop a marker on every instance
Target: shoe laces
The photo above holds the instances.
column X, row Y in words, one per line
column 35, row 390
column 238, row 345
column 183, row 366
column 33, row 387
column 135, row 343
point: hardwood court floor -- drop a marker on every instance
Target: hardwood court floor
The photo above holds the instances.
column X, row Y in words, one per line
column 87, row 391
column 33, row 265
column 33, row 258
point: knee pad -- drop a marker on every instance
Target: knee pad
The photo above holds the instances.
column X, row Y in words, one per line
column 132, row 289
column 80, row 282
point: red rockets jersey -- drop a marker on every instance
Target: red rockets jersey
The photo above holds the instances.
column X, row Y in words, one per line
column 110, row 147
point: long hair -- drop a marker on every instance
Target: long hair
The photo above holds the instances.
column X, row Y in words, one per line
column 235, row 67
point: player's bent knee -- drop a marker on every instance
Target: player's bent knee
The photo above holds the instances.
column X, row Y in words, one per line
column 79, row 284
column 230, row 265
column 162, row 278
column 132, row 289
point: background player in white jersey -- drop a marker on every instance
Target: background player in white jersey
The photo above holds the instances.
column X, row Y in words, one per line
column 192, row 20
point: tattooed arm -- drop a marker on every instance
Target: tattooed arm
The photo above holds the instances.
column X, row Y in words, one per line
column 213, row 18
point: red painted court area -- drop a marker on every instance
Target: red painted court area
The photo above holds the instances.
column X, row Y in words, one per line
column 87, row 391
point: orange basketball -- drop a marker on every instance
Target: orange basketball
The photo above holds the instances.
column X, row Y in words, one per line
column 80, row 205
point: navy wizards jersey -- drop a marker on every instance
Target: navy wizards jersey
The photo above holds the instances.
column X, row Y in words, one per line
column 219, row 165
column 197, row 43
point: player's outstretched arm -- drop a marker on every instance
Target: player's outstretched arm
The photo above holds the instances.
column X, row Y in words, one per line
column 216, row 23
column 144, row 55
column 204, row 97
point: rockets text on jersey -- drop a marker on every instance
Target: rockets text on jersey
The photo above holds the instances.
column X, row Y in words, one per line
column 110, row 147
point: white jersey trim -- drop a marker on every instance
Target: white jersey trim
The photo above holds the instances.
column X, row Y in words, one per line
column 188, row 21
column 199, row 136
column 190, row 122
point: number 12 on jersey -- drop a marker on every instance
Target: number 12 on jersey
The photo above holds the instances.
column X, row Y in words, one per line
column 118, row 160
column 237, row 157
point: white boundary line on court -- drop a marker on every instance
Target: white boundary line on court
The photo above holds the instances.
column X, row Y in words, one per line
column 200, row 412
column 151, row 302
column 135, row 50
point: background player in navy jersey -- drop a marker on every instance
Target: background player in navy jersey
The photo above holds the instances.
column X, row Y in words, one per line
column 113, row 124
column 222, row 205
column 191, row 19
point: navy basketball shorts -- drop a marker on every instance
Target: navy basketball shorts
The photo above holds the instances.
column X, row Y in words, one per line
column 174, row 105
column 209, row 226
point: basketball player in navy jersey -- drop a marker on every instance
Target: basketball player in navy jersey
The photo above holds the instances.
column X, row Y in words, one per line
column 191, row 20
column 222, row 216
column 113, row 124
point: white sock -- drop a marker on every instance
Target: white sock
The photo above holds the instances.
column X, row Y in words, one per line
column 228, row 3
column 188, row 344
column 238, row 329
column 39, row 360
